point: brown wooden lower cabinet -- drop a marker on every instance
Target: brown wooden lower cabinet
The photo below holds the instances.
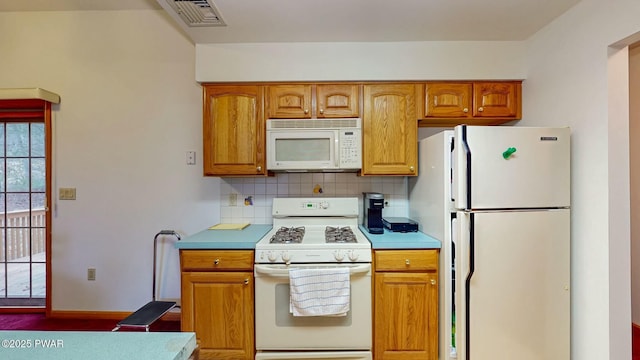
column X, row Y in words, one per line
column 217, row 302
column 405, row 305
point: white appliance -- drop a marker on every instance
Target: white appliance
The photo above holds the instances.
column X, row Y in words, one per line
column 498, row 198
column 312, row 233
column 314, row 145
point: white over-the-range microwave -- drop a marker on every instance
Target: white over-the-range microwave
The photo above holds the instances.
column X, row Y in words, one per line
column 299, row 145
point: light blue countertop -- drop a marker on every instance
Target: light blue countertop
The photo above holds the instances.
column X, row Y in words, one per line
column 96, row 345
column 249, row 236
column 400, row 240
column 225, row 239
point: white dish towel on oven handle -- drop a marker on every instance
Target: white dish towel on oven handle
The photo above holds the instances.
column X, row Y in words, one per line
column 320, row 291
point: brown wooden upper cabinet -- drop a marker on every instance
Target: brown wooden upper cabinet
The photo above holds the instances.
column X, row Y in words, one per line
column 474, row 103
column 390, row 129
column 233, row 130
column 307, row 101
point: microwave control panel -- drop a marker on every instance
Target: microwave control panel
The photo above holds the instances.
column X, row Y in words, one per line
column 350, row 149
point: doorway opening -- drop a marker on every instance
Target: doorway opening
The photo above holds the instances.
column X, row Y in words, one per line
column 25, row 168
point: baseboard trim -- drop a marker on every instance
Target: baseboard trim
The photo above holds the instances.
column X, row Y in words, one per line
column 22, row 310
column 173, row 315
column 93, row 315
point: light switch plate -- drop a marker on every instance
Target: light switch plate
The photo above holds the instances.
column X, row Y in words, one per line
column 91, row 274
column 67, row 194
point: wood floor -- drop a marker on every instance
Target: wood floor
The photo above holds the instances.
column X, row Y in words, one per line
column 40, row 322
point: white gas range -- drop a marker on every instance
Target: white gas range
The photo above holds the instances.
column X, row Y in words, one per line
column 312, row 233
column 314, row 230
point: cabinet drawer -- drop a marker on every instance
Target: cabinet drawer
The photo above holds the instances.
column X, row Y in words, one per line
column 215, row 260
column 406, row 260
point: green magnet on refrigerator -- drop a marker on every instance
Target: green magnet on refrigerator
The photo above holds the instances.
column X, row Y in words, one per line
column 507, row 153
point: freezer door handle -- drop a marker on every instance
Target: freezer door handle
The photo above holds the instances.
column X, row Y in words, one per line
column 462, row 169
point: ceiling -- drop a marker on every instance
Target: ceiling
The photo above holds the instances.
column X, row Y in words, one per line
column 250, row 21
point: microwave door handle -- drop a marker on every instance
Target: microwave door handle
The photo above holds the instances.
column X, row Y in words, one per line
column 336, row 153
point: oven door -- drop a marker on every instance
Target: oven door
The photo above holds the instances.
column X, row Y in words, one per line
column 278, row 329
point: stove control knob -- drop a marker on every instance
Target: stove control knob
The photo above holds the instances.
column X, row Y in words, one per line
column 338, row 255
column 271, row 256
column 286, row 257
column 324, row 205
column 353, row 256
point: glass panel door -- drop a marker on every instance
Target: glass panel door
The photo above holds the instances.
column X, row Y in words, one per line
column 22, row 213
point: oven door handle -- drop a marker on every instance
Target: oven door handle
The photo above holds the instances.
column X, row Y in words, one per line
column 278, row 271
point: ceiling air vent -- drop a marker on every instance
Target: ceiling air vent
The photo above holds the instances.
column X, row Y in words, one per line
column 197, row 12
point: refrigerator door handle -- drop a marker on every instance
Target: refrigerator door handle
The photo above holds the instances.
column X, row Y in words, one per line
column 462, row 169
column 464, row 260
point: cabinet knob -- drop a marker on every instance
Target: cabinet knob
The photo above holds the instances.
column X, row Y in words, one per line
column 412, row 168
column 465, row 110
column 246, row 281
column 433, row 281
column 480, row 109
column 407, row 262
column 306, row 111
column 216, row 261
column 321, row 111
column 259, row 168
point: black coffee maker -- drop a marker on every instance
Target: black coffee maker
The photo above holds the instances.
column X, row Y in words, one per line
column 372, row 217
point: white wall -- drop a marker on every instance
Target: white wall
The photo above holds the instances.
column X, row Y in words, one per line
column 360, row 61
column 574, row 78
column 130, row 110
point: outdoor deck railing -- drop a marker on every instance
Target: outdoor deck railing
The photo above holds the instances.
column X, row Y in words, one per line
column 15, row 234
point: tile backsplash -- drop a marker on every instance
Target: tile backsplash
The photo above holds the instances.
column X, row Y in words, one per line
column 250, row 199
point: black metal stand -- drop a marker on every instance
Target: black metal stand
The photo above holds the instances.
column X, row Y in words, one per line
column 153, row 310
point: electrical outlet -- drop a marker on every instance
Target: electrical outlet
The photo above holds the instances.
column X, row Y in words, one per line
column 191, row 157
column 233, row 199
column 67, row 194
column 91, row 274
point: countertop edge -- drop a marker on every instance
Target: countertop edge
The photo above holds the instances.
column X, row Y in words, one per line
column 247, row 238
column 207, row 239
column 399, row 241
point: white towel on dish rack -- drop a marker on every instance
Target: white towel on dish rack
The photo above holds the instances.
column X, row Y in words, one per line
column 319, row 292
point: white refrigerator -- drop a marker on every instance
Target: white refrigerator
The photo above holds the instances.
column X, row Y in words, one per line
column 498, row 198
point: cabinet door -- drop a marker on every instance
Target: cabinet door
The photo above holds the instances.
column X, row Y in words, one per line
column 233, row 130
column 390, row 129
column 497, row 99
column 218, row 307
column 406, row 316
column 337, row 100
column 448, row 100
column 289, row 101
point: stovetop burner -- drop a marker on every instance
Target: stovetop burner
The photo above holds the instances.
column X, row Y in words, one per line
column 288, row 235
column 314, row 231
column 339, row 235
